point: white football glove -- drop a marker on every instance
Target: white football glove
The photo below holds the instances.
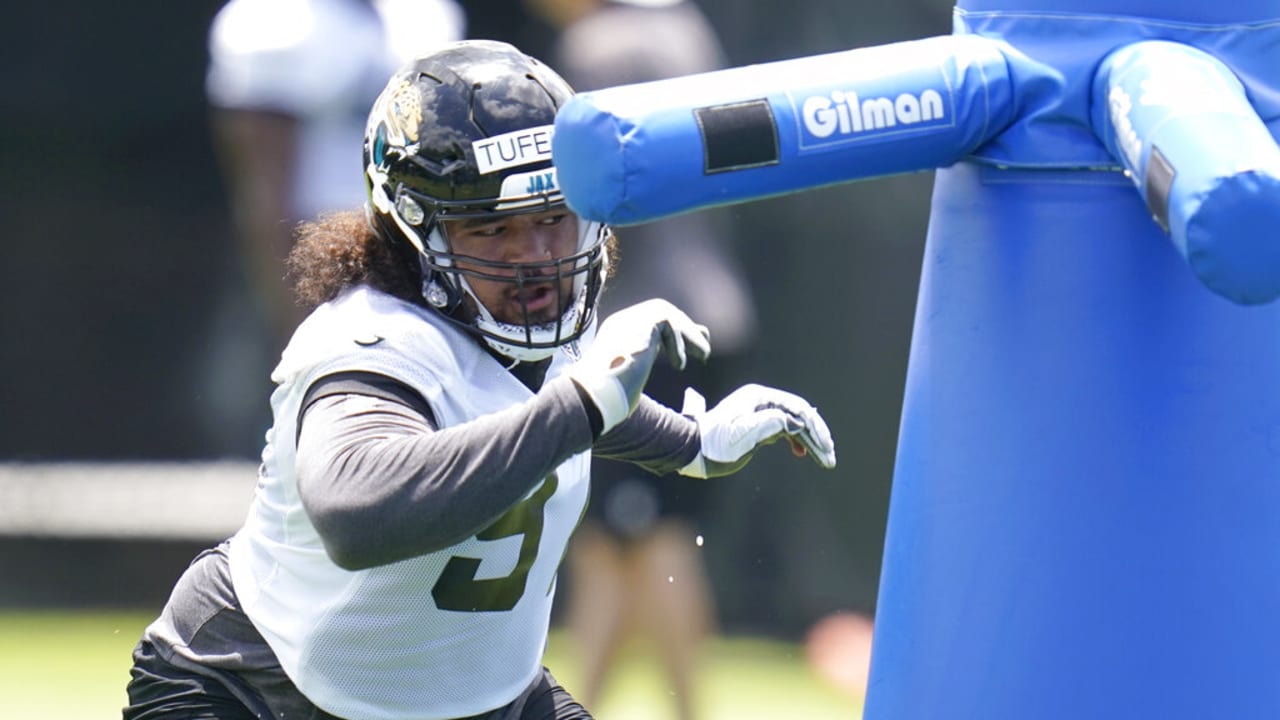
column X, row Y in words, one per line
column 615, row 368
column 751, row 416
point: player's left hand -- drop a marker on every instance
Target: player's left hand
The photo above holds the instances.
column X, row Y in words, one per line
column 751, row 416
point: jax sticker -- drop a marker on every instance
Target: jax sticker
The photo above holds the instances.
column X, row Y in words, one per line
column 528, row 189
column 513, row 149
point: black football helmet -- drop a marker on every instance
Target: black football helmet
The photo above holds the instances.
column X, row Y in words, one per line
column 465, row 132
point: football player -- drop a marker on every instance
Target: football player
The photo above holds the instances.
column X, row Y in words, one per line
column 435, row 417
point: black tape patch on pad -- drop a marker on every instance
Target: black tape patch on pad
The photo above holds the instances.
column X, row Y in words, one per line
column 1160, row 175
column 738, row 136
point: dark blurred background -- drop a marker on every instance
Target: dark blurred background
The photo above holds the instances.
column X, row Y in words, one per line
column 117, row 256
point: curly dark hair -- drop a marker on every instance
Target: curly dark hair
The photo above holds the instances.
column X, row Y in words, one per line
column 339, row 250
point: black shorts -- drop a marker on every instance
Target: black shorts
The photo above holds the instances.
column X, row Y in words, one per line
column 161, row 690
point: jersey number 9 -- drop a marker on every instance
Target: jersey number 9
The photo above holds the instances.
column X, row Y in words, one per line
column 458, row 589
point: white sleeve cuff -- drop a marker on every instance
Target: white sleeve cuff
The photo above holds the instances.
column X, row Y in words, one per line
column 610, row 400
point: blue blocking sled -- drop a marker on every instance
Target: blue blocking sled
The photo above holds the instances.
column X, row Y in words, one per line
column 637, row 153
column 1085, row 518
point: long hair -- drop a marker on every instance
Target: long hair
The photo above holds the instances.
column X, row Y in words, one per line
column 339, row 250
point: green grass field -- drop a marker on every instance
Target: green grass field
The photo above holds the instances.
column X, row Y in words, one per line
column 74, row 666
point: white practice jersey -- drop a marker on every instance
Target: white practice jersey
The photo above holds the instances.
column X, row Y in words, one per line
column 458, row 631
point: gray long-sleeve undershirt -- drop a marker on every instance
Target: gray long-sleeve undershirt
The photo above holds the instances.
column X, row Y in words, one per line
column 381, row 483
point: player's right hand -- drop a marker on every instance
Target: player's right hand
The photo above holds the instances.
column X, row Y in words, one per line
column 614, row 369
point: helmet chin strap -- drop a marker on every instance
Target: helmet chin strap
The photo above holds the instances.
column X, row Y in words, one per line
column 493, row 326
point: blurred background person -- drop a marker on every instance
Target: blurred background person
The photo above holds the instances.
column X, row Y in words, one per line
column 635, row 564
column 290, row 83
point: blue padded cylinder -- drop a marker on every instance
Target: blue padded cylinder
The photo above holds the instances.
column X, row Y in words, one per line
column 1180, row 122
column 640, row 152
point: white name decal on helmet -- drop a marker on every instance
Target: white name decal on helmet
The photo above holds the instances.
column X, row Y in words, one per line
column 521, row 147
